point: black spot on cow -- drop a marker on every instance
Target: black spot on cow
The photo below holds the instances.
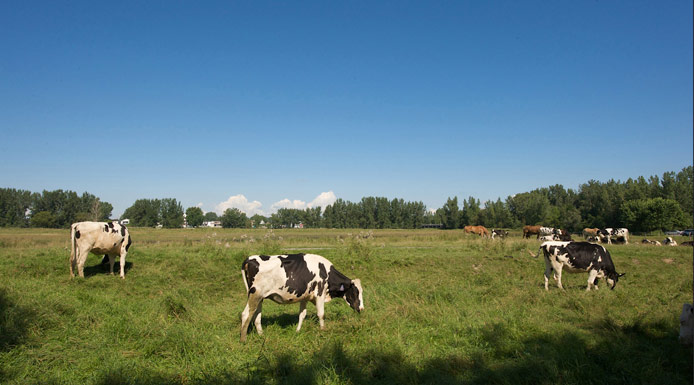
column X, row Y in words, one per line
column 110, row 224
column 321, row 268
column 122, row 230
column 105, row 227
column 251, row 290
column 251, row 267
column 264, row 257
column 338, row 283
column 321, row 286
column 313, row 286
column 129, row 243
column 77, row 234
column 298, row 274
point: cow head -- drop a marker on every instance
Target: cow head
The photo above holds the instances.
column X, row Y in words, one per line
column 612, row 279
column 353, row 295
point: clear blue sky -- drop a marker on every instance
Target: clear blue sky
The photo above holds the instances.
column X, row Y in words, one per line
column 207, row 101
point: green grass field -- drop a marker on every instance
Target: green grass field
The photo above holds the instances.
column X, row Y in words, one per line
column 441, row 307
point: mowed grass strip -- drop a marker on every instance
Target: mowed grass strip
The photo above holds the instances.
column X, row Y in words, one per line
column 441, row 307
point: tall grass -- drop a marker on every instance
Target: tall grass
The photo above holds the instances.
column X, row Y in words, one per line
column 441, row 307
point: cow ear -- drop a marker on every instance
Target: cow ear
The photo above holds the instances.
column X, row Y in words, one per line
column 621, row 275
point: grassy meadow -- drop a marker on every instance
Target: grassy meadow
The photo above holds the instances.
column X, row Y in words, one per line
column 442, row 307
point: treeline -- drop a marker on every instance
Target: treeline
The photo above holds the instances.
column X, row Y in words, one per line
column 59, row 209
column 642, row 205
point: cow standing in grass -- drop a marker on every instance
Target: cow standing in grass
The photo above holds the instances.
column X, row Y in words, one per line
column 100, row 238
column 293, row 278
column 479, row 230
column 578, row 257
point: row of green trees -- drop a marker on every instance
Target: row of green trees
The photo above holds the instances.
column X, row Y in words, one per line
column 58, row 208
column 642, row 205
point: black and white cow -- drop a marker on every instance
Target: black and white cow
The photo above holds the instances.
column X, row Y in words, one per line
column 579, row 257
column 499, row 233
column 610, row 233
column 548, row 231
column 102, row 238
column 293, row 278
column 669, row 242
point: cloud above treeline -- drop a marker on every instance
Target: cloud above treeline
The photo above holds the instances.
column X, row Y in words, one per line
column 251, row 208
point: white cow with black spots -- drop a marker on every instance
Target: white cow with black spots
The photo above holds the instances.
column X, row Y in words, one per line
column 100, row 238
column 293, row 278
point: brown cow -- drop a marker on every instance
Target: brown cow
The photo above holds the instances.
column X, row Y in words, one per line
column 531, row 230
column 588, row 232
column 479, row 230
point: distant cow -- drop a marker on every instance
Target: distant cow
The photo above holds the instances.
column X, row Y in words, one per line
column 608, row 234
column 669, row 242
column 499, row 233
column 649, row 242
column 588, row 232
column 294, row 278
column 479, row 230
column 547, row 238
column 578, row 257
column 548, row 231
column 100, row 238
column 531, row 230
column 687, row 243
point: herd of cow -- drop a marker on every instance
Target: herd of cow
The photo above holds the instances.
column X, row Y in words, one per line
column 302, row 278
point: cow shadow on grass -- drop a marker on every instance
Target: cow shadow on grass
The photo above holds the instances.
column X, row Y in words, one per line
column 15, row 321
column 103, row 268
column 608, row 353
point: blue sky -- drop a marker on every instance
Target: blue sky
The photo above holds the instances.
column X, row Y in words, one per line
column 260, row 105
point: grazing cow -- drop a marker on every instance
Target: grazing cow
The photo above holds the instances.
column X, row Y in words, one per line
column 548, row 231
column 670, row 242
column 687, row 324
column 499, row 233
column 588, row 232
column 549, row 237
column 479, row 230
column 100, row 238
column 579, row 257
column 531, row 230
column 649, row 242
column 294, row 278
column 619, row 234
column 563, row 236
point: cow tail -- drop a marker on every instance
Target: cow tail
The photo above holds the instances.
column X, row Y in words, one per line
column 243, row 275
column 535, row 255
column 73, row 244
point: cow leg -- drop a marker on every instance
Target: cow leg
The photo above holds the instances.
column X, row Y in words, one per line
column 548, row 271
column 248, row 312
column 302, row 314
column 111, row 262
column 81, row 260
column 257, row 318
column 122, row 264
column 592, row 278
column 320, row 311
column 557, row 269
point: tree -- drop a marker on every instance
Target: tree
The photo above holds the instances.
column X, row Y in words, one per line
column 645, row 215
column 450, row 214
column 144, row 213
column 13, row 207
column 194, row 216
column 171, row 213
column 234, row 218
column 211, row 216
column 43, row 219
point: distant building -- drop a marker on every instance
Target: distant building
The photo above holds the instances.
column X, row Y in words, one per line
column 212, row 224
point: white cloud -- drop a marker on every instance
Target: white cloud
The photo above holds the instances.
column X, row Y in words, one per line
column 323, row 200
column 251, row 208
column 287, row 204
column 242, row 203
